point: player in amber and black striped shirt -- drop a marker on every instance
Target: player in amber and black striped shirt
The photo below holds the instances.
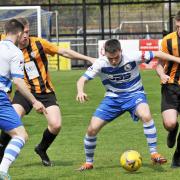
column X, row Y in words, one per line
column 38, row 80
column 2, row 36
column 169, row 73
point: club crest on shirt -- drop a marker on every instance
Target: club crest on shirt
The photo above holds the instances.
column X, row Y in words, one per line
column 127, row 67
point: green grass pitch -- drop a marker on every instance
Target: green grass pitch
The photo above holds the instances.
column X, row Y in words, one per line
column 67, row 151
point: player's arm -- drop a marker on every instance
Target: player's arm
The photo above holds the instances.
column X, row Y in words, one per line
column 53, row 49
column 22, row 88
column 81, row 96
column 160, row 71
column 69, row 53
column 167, row 57
column 90, row 74
column 17, row 74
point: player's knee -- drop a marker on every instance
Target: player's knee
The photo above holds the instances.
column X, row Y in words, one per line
column 55, row 128
column 23, row 135
column 26, row 136
column 146, row 117
column 169, row 125
column 91, row 131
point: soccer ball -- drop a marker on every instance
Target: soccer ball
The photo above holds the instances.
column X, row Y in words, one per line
column 131, row 160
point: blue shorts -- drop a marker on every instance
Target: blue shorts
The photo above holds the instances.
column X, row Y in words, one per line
column 112, row 107
column 9, row 119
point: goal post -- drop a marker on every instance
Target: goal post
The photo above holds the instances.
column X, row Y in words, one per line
column 39, row 19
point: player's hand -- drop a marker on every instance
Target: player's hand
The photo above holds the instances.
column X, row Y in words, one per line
column 81, row 97
column 164, row 78
column 39, row 107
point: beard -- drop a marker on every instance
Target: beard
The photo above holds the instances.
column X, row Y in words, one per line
column 23, row 43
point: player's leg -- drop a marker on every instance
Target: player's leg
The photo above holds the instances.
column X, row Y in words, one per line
column 107, row 111
column 176, row 156
column 18, row 138
column 169, row 109
column 143, row 112
column 19, row 104
column 170, row 104
column 90, row 140
column 4, row 140
column 171, row 125
column 11, row 124
column 53, row 117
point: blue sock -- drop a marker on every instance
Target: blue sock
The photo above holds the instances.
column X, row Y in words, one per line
column 89, row 147
column 11, row 152
column 151, row 136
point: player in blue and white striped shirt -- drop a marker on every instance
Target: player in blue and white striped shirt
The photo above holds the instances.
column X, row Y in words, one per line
column 11, row 68
column 120, row 76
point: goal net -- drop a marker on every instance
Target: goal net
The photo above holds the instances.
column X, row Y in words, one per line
column 39, row 19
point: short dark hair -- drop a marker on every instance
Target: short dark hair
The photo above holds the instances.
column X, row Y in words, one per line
column 112, row 45
column 23, row 21
column 177, row 17
column 13, row 26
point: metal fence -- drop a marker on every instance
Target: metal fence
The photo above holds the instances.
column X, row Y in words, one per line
column 84, row 22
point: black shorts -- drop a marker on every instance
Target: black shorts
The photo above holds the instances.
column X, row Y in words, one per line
column 47, row 100
column 170, row 97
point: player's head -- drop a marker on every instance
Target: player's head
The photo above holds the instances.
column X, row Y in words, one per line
column 113, row 51
column 177, row 22
column 24, row 41
column 14, row 28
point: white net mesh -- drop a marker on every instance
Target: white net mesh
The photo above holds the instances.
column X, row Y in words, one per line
column 32, row 16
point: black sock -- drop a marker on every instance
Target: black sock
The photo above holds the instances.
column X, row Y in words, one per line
column 178, row 144
column 177, row 126
column 46, row 140
column 4, row 140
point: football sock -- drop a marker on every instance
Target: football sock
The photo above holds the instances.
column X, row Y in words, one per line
column 89, row 147
column 11, row 152
column 151, row 136
column 4, row 140
column 178, row 144
column 47, row 139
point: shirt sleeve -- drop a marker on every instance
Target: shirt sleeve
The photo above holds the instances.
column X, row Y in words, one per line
column 17, row 66
column 164, row 46
column 93, row 70
column 142, row 56
column 49, row 47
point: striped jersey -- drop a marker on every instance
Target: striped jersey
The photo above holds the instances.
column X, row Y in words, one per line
column 123, row 79
column 36, row 65
column 2, row 36
column 171, row 45
column 11, row 64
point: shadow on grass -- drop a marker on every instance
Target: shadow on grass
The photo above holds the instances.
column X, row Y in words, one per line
column 116, row 167
column 55, row 164
column 34, row 178
column 155, row 167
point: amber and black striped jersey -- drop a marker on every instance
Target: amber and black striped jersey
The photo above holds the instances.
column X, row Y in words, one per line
column 171, row 45
column 2, row 36
column 36, row 65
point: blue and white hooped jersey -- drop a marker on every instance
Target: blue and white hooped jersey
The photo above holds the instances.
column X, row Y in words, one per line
column 11, row 64
column 123, row 79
